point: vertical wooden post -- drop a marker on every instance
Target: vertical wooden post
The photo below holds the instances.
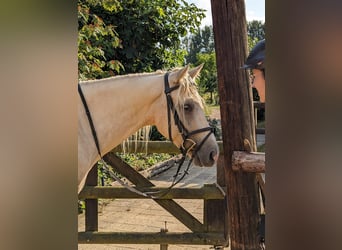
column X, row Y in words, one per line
column 230, row 33
column 91, row 205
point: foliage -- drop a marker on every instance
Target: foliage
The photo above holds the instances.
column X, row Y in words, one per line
column 155, row 135
column 141, row 161
column 120, row 37
column 150, row 32
column 94, row 37
column 255, row 32
column 207, row 81
column 216, row 124
column 200, row 48
column 200, row 42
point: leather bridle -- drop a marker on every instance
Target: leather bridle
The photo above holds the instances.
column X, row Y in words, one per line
column 183, row 131
column 181, row 128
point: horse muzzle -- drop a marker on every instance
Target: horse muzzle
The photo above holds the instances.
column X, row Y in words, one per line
column 206, row 155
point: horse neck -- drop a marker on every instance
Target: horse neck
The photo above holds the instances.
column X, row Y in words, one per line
column 120, row 106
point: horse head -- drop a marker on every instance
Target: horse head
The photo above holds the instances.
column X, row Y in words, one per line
column 186, row 125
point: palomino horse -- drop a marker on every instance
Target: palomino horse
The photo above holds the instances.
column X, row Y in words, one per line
column 121, row 105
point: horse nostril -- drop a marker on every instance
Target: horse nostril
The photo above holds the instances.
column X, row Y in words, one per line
column 213, row 155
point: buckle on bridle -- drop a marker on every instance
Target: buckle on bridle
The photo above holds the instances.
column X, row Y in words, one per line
column 185, row 150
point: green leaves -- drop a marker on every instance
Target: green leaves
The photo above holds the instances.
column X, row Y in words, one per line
column 255, row 32
column 120, row 37
column 94, row 36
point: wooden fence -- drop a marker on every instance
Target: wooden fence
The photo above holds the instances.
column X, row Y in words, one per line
column 213, row 231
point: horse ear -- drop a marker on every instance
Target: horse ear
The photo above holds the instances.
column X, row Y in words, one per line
column 194, row 73
column 178, row 75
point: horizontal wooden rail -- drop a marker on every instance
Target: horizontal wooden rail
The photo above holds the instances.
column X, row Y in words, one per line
column 249, row 162
column 149, row 147
column 154, row 147
column 151, row 238
column 260, row 131
column 259, row 105
column 207, row 192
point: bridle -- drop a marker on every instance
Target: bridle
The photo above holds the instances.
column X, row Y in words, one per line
column 181, row 128
column 183, row 131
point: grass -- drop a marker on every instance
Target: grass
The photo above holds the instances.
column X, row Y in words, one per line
column 141, row 161
column 261, row 148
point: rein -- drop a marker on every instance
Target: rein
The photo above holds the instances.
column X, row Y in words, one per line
column 181, row 128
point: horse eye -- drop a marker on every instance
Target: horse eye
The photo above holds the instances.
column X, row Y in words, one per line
column 187, row 107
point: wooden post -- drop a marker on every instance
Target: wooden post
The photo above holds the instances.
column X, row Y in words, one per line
column 91, row 205
column 230, row 33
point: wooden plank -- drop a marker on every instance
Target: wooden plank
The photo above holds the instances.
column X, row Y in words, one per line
column 154, row 147
column 149, row 147
column 237, row 119
column 249, row 162
column 260, row 131
column 140, row 181
column 150, row 238
column 91, row 205
column 207, row 192
column 259, row 105
column 215, row 214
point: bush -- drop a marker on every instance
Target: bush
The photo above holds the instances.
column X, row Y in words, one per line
column 216, row 124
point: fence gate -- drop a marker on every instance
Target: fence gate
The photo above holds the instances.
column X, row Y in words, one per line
column 213, row 231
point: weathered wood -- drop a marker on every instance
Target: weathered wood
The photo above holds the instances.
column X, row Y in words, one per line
column 237, row 119
column 155, row 147
column 215, row 214
column 259, row 105
column 140, row 181
column 207, row 192
column 91, row 205
column 248, row 162
column 150, row 238
column 260, row 131
column 149, row 147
